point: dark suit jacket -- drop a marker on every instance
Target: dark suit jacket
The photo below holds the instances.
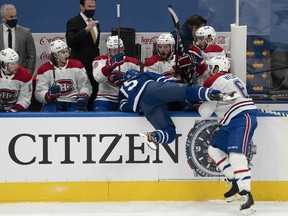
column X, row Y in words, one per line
column 81, row 42
column 24, row 46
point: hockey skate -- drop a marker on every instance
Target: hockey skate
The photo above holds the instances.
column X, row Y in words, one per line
column 246, row 207
column 150, row 139
column 232, row 194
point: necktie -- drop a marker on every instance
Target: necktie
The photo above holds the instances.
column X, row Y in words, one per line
column 9, row 38
column 92, row 32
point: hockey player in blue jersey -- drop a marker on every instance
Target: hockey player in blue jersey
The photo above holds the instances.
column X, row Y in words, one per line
column 150, row 92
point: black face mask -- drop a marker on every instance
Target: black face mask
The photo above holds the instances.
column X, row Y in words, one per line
column 89, row 13
column 11, row 23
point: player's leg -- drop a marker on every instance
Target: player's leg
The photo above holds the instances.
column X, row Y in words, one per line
column 155, row 112
column 104, row 106
column 217, row 151
column 241, row 132
column 49, row 107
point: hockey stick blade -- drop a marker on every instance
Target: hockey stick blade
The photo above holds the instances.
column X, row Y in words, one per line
column 174, row 18
column 230, row 96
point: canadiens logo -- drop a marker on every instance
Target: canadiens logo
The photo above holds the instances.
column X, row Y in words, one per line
column 67, row 86
column 8, row 95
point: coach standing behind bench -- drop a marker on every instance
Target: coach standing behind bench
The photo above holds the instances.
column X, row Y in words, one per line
column 82, row 36
column 17, row 38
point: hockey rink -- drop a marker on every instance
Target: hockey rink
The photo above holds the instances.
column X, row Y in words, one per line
column 159, row 208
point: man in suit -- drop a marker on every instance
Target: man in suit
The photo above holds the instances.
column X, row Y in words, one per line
column 17, row 38
column 82, row 36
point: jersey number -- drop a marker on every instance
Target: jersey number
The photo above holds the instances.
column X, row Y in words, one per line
column 241, row 88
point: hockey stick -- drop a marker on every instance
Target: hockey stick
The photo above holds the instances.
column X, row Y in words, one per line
column 118, row 29
column 54, row 76
column 177, row 29
column 179, row 42
column 273, row 112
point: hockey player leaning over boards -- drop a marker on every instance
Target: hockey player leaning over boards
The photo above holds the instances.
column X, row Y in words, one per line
column 62, row 84
column 238, row 121
column 205, row 40
column 15, row 83
column 108, row 71
column 149, row 93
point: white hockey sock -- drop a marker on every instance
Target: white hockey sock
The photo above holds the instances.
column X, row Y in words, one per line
column 242, row 173
column 222, row 161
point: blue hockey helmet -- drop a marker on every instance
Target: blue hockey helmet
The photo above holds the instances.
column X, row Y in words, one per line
column 130, row 74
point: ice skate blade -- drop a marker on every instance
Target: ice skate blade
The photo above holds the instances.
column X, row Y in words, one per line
column 151, row 145
column 231, row 199
column 248, row 211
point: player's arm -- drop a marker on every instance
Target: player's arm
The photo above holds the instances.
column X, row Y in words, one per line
column 123, row 103
column 24, row 97
column 207, row 108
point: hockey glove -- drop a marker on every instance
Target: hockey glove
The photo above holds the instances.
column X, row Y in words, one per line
column 185, row 62
column 214, row 95
column 187, row 68
column 196, row 55
column 81, row 102
column 53, row 93
column 116, row 79
column 115, row 61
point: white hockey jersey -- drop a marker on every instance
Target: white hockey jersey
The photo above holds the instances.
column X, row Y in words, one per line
column 108, row 88
column 208, row 53
column 156, row 65
column 16, row 90
column 72, row 79
column 225, row 111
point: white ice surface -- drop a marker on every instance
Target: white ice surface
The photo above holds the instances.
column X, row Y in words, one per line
column 159, row 208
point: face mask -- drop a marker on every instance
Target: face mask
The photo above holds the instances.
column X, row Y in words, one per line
column 89, row 13
column 12, row 23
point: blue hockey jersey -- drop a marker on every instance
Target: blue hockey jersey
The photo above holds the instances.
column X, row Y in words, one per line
column 131, row 90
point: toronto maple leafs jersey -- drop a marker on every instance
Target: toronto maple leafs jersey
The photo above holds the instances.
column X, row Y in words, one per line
column 225, row 111
column 131, row 90
column 15, row 90
column 109, row 82
column 72, row 78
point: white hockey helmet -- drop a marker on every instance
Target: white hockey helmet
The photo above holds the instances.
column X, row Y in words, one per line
column 222, row 62
column 112, row 42
column 206, row 31
column 8, row 56
column 57, row 46
column 166, row 39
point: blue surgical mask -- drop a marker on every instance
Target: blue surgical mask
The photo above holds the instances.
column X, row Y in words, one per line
column 89, row 13
column 11, row 23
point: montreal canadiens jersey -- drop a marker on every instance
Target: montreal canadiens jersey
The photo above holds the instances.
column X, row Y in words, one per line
column 225, row 111
column 156, row 65
column 213, row 50
column 16, row 89
column 208, row 53
column 72, row 78
column 131, row 90
column 108, row 89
